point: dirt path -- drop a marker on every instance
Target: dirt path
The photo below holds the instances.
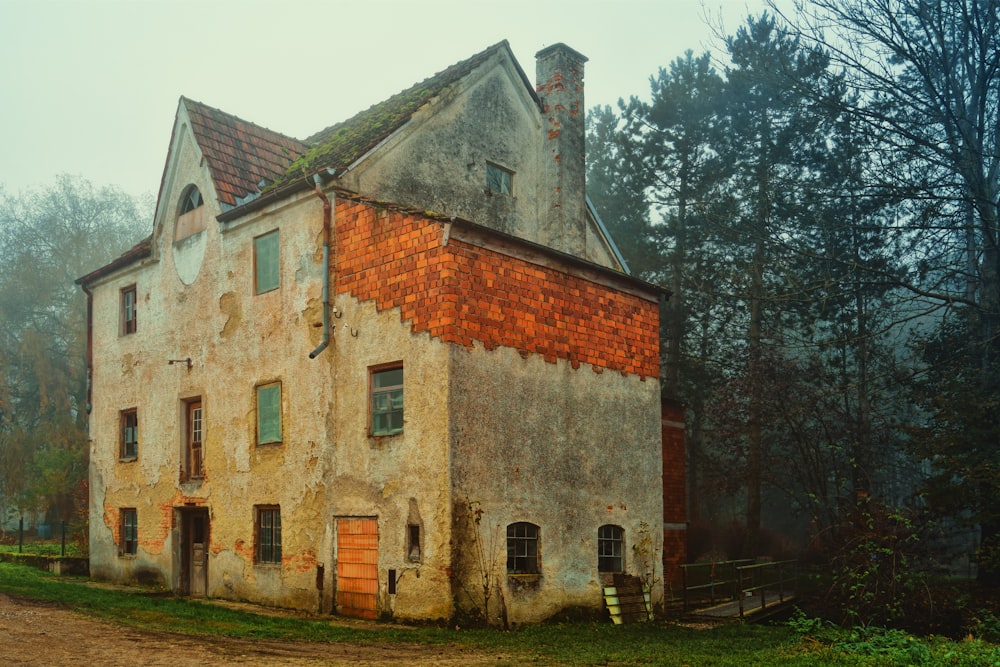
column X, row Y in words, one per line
column 40, row 633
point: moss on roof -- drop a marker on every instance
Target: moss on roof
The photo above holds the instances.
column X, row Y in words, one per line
column 338, row 146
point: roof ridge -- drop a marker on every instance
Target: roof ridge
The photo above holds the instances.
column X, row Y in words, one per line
column 440, row 74
column 258, row 126
column 241, row 156
column 340, row 145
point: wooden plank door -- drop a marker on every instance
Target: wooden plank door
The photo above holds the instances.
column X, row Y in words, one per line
column 357, row 567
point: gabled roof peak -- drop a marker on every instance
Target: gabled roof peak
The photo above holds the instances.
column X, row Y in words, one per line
column 240, row 154
column 245, row 158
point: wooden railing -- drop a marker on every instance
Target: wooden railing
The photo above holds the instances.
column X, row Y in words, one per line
column 719, row 579
column 744, row 581
column 759, row 579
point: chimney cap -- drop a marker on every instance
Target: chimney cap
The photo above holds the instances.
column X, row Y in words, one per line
column 551, row 50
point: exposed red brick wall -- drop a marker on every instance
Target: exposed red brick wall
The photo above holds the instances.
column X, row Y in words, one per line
column 674, row 493
column 462, row 293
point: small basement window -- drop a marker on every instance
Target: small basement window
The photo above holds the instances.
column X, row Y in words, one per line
column 610, row 549
column 268, row 534
column 498, row 179
column 128, row 543
column 522, row 548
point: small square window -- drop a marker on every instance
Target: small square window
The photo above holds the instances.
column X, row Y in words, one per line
column 268, row 534
column 129, row 532
column 610, row 549
column 128, row 442
column 522, row 548
column 267, row 276
column 269, row 413
column 128, row 310
column 498, row 179
column 387, row 400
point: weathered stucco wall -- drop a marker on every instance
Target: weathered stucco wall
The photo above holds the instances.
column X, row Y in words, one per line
column 553, row 409
column 197, row 301
column 564, row 448
column 438, row 162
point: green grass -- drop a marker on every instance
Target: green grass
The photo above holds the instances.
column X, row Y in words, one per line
column 45, row 549
column 573, row 644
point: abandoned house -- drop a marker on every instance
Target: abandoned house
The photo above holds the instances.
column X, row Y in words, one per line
column 361, row 371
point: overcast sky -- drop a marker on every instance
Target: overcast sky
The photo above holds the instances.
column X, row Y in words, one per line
column 90, row 87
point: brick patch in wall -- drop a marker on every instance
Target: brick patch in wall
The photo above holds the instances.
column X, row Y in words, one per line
column 463, row 294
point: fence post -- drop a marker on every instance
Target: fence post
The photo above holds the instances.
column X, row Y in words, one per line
column 63, row 553
column 684, row 579
column 20, row 535
column 739, row 587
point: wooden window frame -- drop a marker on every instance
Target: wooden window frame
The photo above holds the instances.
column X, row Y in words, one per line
column 129, row 310
column 257, row 403
column 524, row 555
column 128, row 532
column 128, row 426
column 499, row 180
column 194, row 440
column 257, row 245
column 267, row 535
column 188, row 202
column 373, row 391
column 610, row 548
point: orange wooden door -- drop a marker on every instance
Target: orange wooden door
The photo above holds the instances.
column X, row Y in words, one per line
column 357, row 567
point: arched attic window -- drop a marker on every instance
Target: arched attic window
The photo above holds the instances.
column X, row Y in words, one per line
column 191, row 199
column 190, row 214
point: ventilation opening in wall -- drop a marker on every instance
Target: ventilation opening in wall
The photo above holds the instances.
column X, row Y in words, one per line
column 392, row 582
column 413, row 542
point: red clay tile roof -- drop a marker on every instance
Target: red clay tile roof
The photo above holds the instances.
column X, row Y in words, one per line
column 239, row 154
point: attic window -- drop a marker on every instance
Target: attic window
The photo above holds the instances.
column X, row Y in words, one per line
column 191, row 200
column 498, row 179
column 190, row 214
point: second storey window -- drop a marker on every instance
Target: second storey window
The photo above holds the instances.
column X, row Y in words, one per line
column 194, row 455
column 269, row 413
column 387, row 400
column 128, row 446
column 265, row 263
column 128, row 309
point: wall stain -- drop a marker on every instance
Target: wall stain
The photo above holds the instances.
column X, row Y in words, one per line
column 230, row 306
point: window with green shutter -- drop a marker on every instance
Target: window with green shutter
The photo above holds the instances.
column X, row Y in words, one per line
column 267, row 276
column 269, row 413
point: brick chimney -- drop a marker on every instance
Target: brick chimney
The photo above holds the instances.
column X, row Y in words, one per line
column 562, row 194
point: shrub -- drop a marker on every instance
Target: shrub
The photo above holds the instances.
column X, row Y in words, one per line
column 876, row 575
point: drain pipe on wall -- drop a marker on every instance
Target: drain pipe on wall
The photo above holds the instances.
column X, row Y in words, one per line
column 327, row 223
column 90, row 346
